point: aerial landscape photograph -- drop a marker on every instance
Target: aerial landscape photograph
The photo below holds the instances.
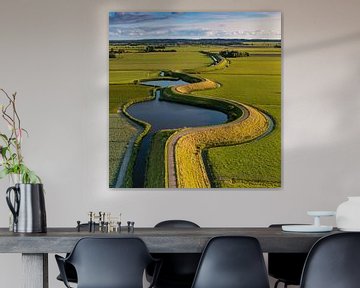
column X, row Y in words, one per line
column 195, row 99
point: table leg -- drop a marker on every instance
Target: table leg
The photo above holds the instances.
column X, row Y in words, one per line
column 35, row 270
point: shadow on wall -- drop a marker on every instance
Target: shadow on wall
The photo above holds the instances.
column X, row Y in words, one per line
column 327, row 167
column 323, row 44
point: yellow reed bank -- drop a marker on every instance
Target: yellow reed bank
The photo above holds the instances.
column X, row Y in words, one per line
column 190, row 167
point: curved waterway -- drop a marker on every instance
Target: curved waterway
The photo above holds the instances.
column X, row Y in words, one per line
column 167, row 115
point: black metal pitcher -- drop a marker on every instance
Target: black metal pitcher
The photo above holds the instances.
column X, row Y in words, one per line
column 28, row 208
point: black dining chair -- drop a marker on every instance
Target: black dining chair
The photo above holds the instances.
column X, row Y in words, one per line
column 232, row 262
column 333, row 262
column 178, row 269
column 70, row 271
column 286, row 267
column 108, row 263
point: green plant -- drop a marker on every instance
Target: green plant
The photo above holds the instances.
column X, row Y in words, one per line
column 12, row 160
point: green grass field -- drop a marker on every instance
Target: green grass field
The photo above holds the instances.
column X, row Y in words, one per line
column 123, row 77
column 120, row 133
column 159, row 61
column 155, row 170
column 254, row 80
column 251, row 50
column 260, row 158
column 122, row 94
column 121, row 130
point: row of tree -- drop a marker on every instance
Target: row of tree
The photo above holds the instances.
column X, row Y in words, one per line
column 113, row 52
column 233, row 54
column 157, row 49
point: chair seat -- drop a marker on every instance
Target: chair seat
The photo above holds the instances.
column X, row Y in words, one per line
column 108, row 263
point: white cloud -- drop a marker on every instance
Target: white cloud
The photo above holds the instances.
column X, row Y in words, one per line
column 219, row 26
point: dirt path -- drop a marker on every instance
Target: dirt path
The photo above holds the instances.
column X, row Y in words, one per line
column 229, row 139
column 173, row 139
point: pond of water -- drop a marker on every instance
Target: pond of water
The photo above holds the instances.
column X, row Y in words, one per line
column 167, row 115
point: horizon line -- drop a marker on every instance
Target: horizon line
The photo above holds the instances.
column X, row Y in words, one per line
column 250, row 39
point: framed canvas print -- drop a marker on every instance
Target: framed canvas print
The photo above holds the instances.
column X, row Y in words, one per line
column 195, row 100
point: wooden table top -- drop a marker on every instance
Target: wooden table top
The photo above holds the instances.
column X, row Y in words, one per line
column 158, row 240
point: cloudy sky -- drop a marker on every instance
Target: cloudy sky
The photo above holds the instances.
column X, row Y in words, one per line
column 194, row 25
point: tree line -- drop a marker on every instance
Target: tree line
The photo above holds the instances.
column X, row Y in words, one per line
column 233, row 54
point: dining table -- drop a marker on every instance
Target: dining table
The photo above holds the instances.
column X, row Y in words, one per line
column 35, row 247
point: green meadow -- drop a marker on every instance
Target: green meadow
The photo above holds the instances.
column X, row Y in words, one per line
column 121, row 129
column 155, row 172
column 255, row 164
column 185, row 58
column 253, row 80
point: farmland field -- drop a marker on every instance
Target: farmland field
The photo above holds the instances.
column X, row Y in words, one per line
column 154, row 61
column 155, row 173
column 121, row 130
column 237, row 78
column 249, row 80
column 256, row 164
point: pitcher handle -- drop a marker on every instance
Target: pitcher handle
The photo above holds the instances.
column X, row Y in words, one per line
column 13, row 208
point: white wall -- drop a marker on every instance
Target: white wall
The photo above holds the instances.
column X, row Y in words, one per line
column 54, row 54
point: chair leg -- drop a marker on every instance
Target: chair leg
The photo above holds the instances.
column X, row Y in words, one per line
column 278, row 282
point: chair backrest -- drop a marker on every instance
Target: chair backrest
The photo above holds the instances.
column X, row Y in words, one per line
column 177, row 268
column 232, row 262
column 333, row 262
column 110, row 262
column 176, row 224
column 286, row 266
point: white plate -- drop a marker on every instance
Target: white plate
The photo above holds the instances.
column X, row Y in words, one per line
column 321, row 213
column 306, row 228
column 350, row 229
